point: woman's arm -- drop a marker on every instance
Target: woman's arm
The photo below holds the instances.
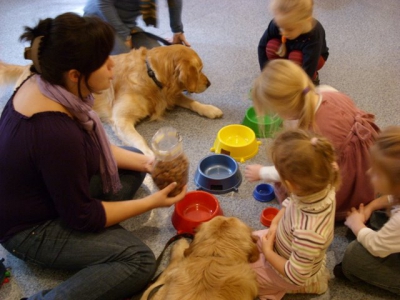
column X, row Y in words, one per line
column 118, row 211
column 130, row 160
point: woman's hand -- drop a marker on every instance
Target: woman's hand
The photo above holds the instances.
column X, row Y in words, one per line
column 252, row 172
column 161, row 197
column 179, row 38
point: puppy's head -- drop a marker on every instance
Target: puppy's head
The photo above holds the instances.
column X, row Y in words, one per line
column 224, row 237
column 181, row 64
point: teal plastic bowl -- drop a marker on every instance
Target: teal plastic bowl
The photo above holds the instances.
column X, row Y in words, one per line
column 263, row 127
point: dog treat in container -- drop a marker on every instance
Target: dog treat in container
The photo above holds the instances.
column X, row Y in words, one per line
column 171, row 163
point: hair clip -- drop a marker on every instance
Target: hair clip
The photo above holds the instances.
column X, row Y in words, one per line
column 32, row 52
column 314, row 141
column 306, row 90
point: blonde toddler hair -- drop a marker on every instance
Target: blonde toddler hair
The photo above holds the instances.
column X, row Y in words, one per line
column 284, row 87
column 306, row 160
column 295, row 11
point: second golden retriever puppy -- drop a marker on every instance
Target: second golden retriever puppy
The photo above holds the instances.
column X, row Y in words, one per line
column 215, row 266
column 148, row 82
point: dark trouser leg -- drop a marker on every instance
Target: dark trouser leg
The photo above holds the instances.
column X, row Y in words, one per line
column 358, row 264
column 111, row 264
column 130, row 180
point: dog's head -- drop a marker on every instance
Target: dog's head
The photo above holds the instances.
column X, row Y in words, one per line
column 225, row 237
column 181, row 64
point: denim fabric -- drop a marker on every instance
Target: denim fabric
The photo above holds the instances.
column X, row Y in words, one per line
column 111, row 264
column 139, row 39
column 130, row 181
column 359, row 265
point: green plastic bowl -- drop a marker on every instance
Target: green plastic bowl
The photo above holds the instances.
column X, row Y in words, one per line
column 263, row 127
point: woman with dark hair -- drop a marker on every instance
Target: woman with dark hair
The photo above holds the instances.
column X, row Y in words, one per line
column 57, row 168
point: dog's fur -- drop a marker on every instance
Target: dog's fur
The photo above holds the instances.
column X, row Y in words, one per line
column 134, row 95
column 214, row 266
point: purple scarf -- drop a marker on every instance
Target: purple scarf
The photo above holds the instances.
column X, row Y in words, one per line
column 90, row 121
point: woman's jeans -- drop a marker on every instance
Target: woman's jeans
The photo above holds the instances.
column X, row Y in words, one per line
column 110, row 264
column 359, row 265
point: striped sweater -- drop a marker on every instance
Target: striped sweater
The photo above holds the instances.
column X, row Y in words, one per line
column 304, row 234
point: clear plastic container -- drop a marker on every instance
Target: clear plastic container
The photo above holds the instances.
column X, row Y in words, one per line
column 171, row 163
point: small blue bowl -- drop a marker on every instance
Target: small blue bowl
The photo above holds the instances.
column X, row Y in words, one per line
column 218, row 174
column 264, row 192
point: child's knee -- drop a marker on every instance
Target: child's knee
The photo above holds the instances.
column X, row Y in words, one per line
column 296, row 56
column 272, row 48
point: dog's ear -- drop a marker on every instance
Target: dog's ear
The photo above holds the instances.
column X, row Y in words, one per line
column 187, row 251
column 188, row 75
column 254, row 253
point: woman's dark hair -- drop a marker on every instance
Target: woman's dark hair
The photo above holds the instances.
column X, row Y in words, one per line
column 70, row 42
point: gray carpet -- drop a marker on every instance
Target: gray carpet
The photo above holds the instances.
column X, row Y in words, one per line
column 364, row 41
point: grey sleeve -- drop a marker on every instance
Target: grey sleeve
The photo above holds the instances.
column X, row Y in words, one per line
column 175, row 15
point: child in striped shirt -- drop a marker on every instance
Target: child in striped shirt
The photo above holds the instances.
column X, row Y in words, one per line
column 293, row 249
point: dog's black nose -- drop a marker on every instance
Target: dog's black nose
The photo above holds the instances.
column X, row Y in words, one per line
column 208, row 83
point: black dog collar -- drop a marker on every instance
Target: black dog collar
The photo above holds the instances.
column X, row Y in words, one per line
column 152, row 75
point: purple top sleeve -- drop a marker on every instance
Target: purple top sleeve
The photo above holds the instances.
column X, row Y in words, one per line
column 46, row 162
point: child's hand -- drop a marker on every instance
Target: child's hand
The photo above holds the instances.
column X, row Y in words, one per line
column 355, row 219
column 272, row 230
column 267, row 242
column 367, row 212
column 252, row 172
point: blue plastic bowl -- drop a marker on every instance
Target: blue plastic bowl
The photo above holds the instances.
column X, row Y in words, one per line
column 264, row 192
column 218, row 174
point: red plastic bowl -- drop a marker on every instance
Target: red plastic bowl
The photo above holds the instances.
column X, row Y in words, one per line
column 197, row 207
column 267, row 215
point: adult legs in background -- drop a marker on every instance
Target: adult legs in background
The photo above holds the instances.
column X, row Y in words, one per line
column 139, row 39
column 111, row 264
column 130, row 180
column 359, row 265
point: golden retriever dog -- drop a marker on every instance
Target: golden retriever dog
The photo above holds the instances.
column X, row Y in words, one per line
column 215, row 266
column 146, row 83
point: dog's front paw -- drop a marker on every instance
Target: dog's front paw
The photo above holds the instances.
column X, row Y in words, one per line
column 211, row 112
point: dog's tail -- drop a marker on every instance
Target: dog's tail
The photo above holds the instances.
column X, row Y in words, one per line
column 9, row 74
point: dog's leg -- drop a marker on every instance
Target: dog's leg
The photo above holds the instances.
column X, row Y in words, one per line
column 126, row 132
column 205, row 110
column 124, row 117
column 176, row 256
